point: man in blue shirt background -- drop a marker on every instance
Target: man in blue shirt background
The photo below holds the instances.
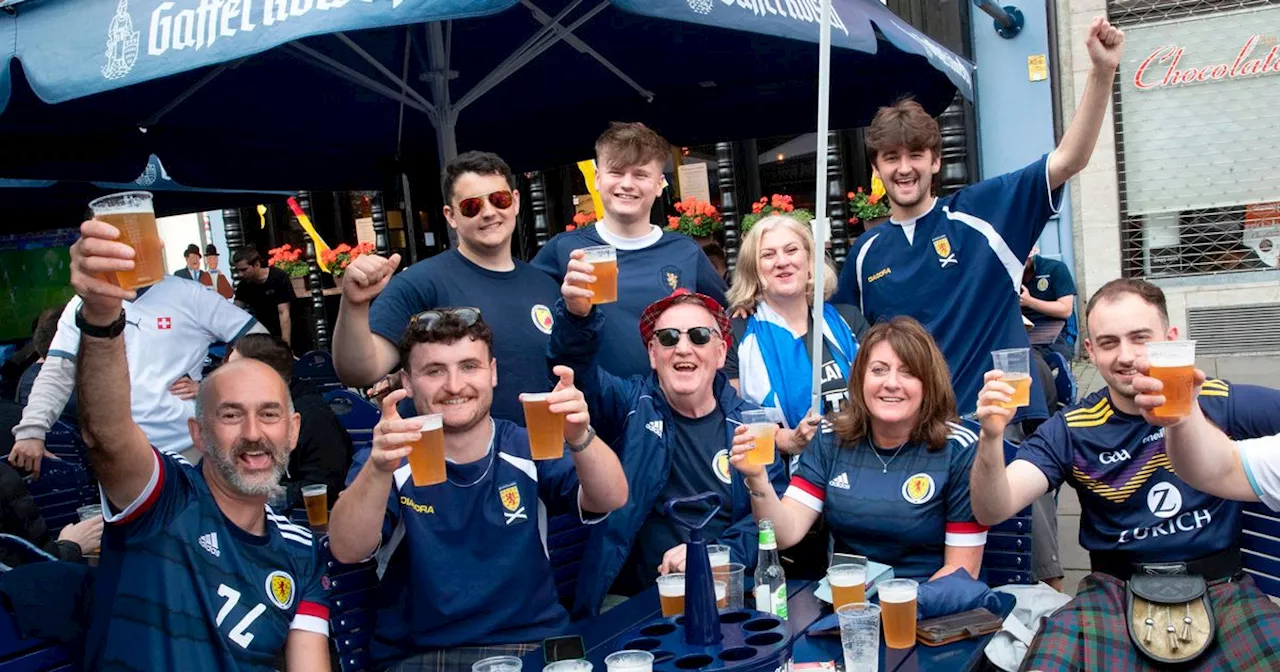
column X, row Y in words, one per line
column 652, row 261
column 467, row 575
column 1048, row 295
column 515, row 298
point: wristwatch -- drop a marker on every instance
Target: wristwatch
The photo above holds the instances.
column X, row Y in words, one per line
column 110, row 331
column 591, row 435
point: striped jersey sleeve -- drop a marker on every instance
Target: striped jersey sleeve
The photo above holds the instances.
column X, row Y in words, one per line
column 809, row 482
column 961, row 527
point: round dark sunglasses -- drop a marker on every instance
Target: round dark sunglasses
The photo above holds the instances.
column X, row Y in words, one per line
column 699, row 336
column 427, row 319
column 470, row 207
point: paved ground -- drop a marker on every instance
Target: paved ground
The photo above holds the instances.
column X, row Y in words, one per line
column 1255, row 369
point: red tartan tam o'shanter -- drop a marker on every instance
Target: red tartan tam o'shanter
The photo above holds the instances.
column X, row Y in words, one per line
column 657, row 308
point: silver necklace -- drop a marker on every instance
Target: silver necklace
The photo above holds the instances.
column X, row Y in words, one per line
column 493, row 431
column 876, row 451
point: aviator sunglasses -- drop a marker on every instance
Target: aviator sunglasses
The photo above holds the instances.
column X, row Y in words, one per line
column 470, row 207
column 427, row 319
column 699, row 336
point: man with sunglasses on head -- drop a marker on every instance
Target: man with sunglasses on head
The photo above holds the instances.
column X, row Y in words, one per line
column 516, row 299
column 466, row 573
column 652, row 261
column 672, row 428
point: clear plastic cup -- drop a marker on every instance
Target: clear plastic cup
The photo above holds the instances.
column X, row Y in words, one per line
column 89, row 511
column 848, row 584
column 718, row 554
column 762, row 427
column 497, row 664
column 1174, row 364
column 671, row 594
column 604, row 259
column 1016, row 365
column 898, row 610
column 860, row 636
column 629, row 660
column 734, row 574
column 568, row 666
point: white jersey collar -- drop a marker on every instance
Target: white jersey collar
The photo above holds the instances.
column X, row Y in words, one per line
column 622, row 243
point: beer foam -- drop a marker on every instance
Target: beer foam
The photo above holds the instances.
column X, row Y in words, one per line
column 430, row 422
column 129, row 203
column 671, row 588
column 847, row 578
column 897, row 594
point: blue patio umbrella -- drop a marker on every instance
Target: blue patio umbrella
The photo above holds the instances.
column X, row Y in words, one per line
column 340, row 93
column 36, row 205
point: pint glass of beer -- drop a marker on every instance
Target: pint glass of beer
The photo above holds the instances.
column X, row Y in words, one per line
column 1016, row 365
column 848, row 584
column 426, row 462
column 132, row 213
column 898, row 609
column 604, row 259
column 761, row 427
column 316, row 497
column 546, row 429
column 1174, row 364
column 671, row 594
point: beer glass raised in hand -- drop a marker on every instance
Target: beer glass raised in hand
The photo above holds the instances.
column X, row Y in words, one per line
column 316, row 497
column 546, row 429
column 132, row 213
column 1016, row 365
column 426, row 462
column 762, row 428
column 604, row 260
column 1174, row 364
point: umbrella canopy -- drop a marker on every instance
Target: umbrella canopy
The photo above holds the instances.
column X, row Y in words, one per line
column 340, row 93
column 36, row 205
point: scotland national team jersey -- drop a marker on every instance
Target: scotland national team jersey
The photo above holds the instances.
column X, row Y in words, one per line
column 649, row 269
column 183, row 588
column 902, row 518
column 467, row 564
column 1130, row 499
column 958, row 270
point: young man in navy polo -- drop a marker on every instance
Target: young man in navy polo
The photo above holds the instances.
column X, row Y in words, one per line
column 652, row 261
column 1049, row 295
column 467, row 573
column 1135, row 511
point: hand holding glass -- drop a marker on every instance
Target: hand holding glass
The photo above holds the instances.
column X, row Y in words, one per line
column 1016, row 365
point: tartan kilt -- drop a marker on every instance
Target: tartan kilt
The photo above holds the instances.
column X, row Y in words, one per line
column 1089, row 632
column 458, row 659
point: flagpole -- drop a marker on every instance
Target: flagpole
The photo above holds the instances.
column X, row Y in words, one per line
column 820, row 223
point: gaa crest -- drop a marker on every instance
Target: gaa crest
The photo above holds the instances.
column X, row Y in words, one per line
column 122, row 44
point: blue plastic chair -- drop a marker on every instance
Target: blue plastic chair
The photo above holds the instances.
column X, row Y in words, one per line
column 356, row 414
column 1260, row 547
column 63, row 487
column 1007, row 556
column 317, row 368
column 27, row 654
column 1063, row 380
column 352, row 610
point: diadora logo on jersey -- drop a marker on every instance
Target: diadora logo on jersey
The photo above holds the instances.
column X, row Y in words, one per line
column 879, row 274
column 942, row 246
column 841, row 481
column 655, row 426
column 1164, row 500
column 510, row 496
column 720, row 465
column 1042, row 283
column 416, row 507
column 542, row 318
column 164, row 323
column 209, row 542
column 670, row 276
column 1113, row 457
column 918, row 489
column 280, row 589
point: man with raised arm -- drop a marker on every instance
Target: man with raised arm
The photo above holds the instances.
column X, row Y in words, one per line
column 197, row 572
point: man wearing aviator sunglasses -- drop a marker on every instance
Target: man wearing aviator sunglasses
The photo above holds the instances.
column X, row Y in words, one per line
column 516, row 298
column 673, row 430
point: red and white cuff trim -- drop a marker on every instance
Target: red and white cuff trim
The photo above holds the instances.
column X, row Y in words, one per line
column 806, row 493
column 142, row 502
column 311, row 617
column 966, row 534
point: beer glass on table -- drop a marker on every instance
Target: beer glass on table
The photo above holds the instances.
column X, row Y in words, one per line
column 426, row 462
column 762, row 428
column 1174, row 364
column 546, row 429
column 604, row 262
column 848, row 584
column 898, row 611
column 133, row 214
column 629, row 660
column 316, row 498
column 1016, row 365
column 671, row 594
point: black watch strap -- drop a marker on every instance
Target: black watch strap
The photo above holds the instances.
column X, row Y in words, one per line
column 110, row 331
column 591, row 435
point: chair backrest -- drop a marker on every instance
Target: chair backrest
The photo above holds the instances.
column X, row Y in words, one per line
column 357, row 414
column 352, row 611
column 62, row 488
column 1007, row 556
column 317, row 368
column 1063, row 380
column 566, row 541
column 27, row 654
column 1260, row 547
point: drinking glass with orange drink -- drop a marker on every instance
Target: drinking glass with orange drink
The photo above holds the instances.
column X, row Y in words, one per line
column 133, row 215
column 1173, row 363
column 1016, row 365
column 316, row 498
column 671, row 594
column 898, row 612
column 604, row 262
column 762, row 428
column 848, row 584
column 546, row 429
column 426, row 462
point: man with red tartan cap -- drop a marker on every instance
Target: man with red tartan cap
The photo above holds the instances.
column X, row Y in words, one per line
column 672, row 428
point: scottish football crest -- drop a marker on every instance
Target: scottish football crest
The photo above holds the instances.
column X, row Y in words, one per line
column 512, row 510
column 946, row 256
column 280, row 589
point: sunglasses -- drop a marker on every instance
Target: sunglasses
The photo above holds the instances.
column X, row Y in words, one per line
column 470, row 207
column 699, row 336
column 427, row 319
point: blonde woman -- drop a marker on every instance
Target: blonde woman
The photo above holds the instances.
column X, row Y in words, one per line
column 773, row 284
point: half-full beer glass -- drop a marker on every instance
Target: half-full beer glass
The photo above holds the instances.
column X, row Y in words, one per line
column 898, row 610
column 848, row 584
column 316, row 497
column 604, row 260
column 762, row 428
column 671, row 594
column 1016, row 365
column 1174, row 364
column 546, row 429
column 132, row 213
column 426, row 462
